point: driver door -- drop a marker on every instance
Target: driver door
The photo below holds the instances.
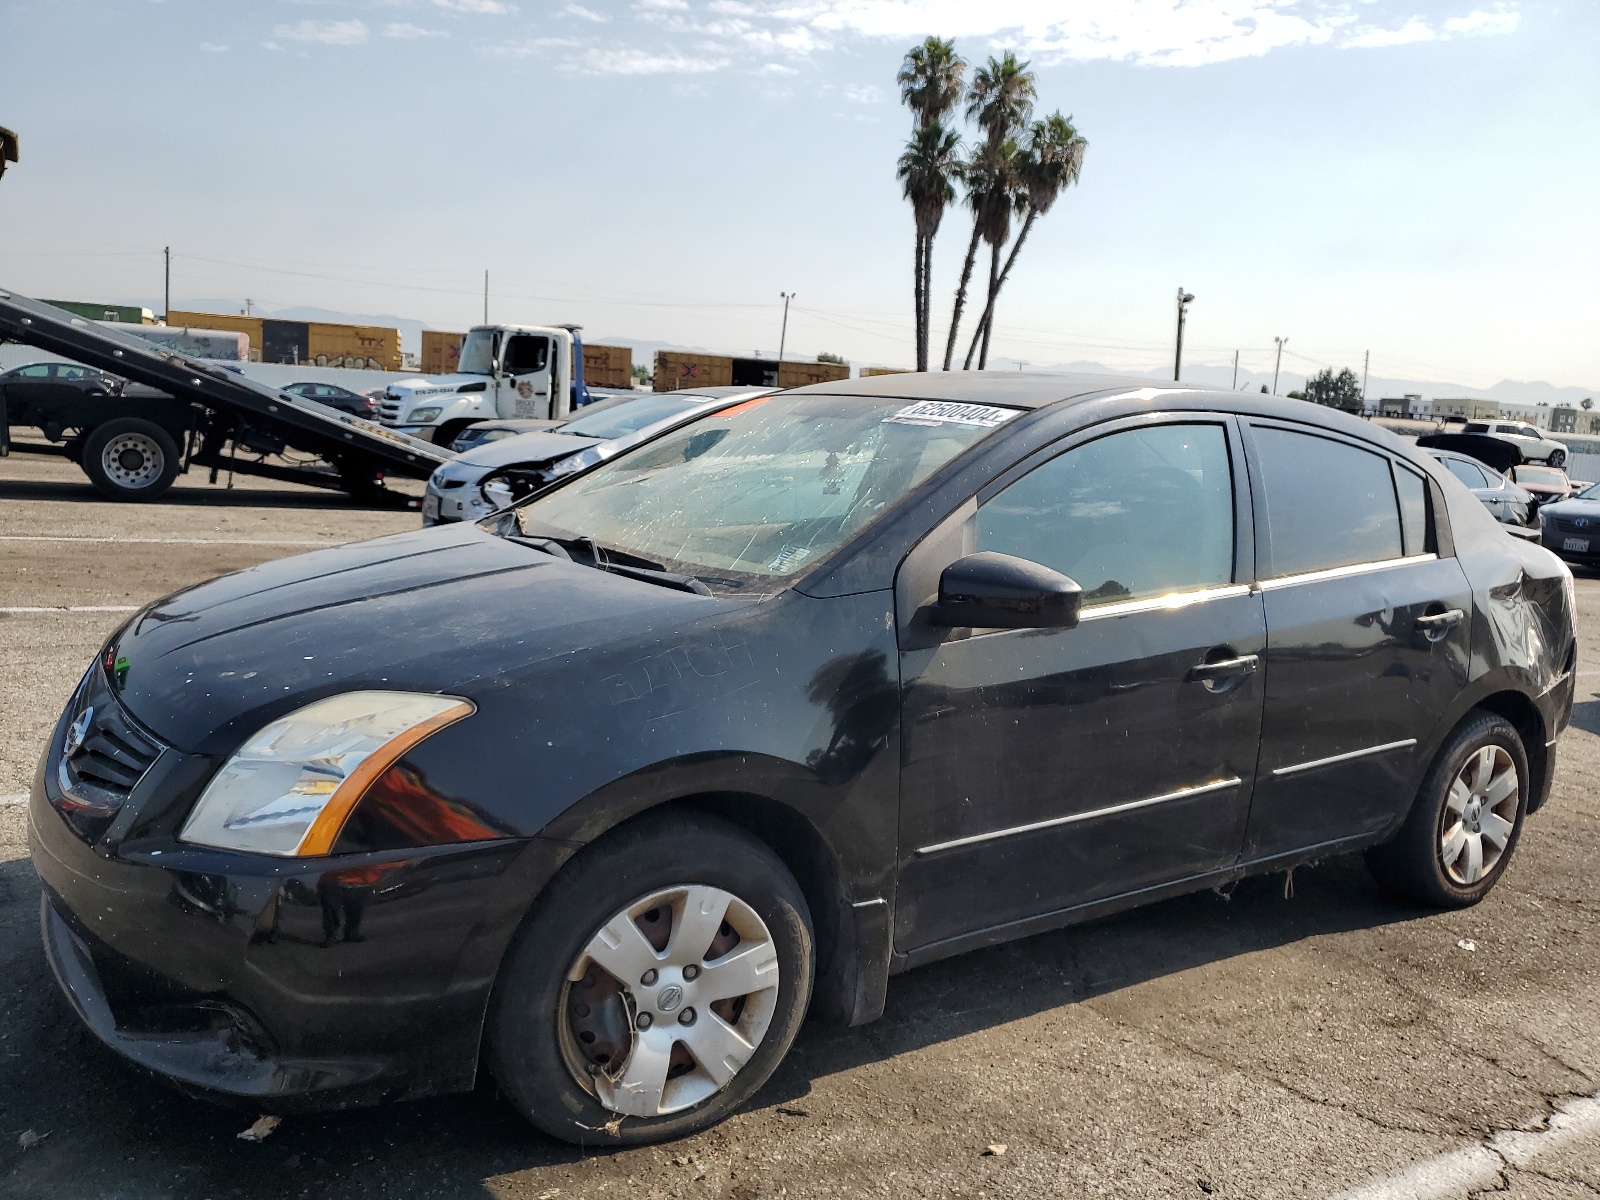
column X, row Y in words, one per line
column 1044, row 769
column 524, row 383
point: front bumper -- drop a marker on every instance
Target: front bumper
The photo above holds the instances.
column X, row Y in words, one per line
column 284, row 986
column 442, row 506
column 1563, row 546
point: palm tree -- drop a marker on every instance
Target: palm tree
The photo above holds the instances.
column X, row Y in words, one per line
column 1000, row 102
column 931, row 161
column 931, row 85
column 931, row 80
column 997, row 180
column 1051, row 162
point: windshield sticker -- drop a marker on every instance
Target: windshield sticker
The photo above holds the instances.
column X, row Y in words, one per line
column 789, row 557
column 943, row 412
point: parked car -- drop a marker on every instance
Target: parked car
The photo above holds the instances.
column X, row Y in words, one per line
column 500, row 471
column 1570, row 528
column 357, row 404
column 479, row 432
column 1507, row 502
column 608, row 791
column 1535, row 444
column 1543, row 484
column 86, row 381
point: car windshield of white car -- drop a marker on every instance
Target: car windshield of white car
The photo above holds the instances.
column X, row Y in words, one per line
column 1548, row 476
column 762, row 490
column 628, row 418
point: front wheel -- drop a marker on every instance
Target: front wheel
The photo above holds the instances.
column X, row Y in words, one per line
column 1558, row 458
column 130, row 459
column 1465, row 821
column 656, row 986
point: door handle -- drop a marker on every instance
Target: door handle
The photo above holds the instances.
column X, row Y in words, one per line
column 1227, row 668
column 1434, row 626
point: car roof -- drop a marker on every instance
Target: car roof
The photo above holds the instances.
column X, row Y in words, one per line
column 1013, row 389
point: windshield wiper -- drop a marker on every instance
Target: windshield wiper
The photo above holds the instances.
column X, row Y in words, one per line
column 617, row 562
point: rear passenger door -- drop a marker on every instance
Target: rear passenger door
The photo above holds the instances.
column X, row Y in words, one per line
column 1367, row 635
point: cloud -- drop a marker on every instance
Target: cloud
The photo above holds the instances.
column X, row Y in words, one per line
column 863, row 93
column 485, row 7
column 407, row 31
column 1484, row 22
column 212, row 47
column 328, row 33
column 627, row 61
column 1414, row 30
column 530, row 46
column 586, row 14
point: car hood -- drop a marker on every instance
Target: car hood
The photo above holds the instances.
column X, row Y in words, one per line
column 455, row 610
column 1573, row 506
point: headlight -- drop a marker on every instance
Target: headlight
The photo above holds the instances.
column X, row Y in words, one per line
column 422, row 416
column 498, row 493
column 288, row 790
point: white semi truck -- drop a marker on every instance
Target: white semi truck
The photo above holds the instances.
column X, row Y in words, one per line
column 505, row 371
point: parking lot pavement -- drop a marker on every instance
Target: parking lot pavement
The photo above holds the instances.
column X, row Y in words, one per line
column 1276, row 1042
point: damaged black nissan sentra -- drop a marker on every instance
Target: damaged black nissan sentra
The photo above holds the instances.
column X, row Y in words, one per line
column 606, row 792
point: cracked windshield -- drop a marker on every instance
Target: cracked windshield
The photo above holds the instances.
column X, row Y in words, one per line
column 764, row 489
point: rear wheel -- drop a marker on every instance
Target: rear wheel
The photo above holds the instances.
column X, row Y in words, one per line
column 656, row 986
column 1465, row 821
column 130, row 459
column 1558, row 458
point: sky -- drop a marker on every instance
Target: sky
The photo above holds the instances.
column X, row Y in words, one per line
column 1414, row 179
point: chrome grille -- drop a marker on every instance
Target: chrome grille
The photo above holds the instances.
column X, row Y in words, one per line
column 104, row 755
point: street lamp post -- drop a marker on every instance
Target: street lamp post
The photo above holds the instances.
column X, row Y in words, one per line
column 1183, row 305
column 1278, row 362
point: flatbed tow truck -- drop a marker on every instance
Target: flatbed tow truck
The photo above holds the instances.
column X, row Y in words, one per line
column 188, row 412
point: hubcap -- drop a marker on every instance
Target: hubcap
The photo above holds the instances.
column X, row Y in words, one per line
column 669, row 999
column 1479, row 815
column 132, row 460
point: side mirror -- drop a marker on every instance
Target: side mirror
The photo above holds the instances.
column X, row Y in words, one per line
column 997, row 591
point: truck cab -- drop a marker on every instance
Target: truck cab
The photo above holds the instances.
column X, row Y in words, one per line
column 505, row 371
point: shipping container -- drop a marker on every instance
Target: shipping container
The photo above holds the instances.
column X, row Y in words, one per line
column 676, row 370
column 372, row 347
column 607, row 366
column 231, row 322
column 441, row 352
column 123, row 314
column 799, row 374
column 869, row 372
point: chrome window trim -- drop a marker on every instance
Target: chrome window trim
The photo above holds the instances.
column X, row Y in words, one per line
column 1297, row 768
column 1170, row 600
column 1218, row 785
column 1382, row 564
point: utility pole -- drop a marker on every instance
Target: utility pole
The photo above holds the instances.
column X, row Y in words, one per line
column 1236, row 370
column 166, row 301
column 1366, row 364
column 783, row 337
column 1177, row 360
column 247, row 303
column 486, row 296
column 1278, row 363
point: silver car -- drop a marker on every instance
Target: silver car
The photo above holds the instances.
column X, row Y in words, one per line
column 1509, row 504
column 498, row 473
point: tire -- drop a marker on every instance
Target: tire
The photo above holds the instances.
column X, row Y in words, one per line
column 130, row 459
column 1455, row 808
column 554, row 1042
column 1558, row 458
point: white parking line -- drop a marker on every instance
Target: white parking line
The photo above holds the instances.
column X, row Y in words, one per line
column 1477, row 1166
column 168, row 541
column 68, row 608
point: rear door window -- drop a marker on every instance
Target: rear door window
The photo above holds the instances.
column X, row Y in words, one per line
column 1413, row 493
column 1328, row 504
column 1466, row 472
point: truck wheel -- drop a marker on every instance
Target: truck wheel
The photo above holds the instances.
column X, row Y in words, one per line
column 130, row 459
column 1465, row 821
column 656, row 985
column 1558, row 458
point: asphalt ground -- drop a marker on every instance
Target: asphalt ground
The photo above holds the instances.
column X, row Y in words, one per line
column 1275, row 1042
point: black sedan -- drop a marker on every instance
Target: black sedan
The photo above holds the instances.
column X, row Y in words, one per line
column 44, row 377
column 608, row 790
column 355, row 403
column 1570, row 528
